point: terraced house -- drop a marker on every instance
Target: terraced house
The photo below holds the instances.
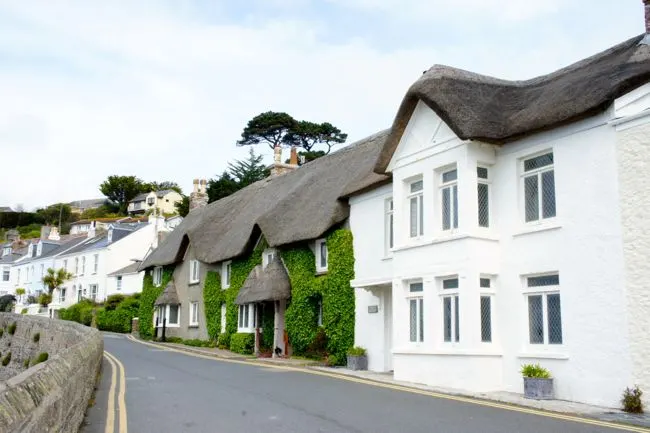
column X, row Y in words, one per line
column 515, row 231
column 267, row 268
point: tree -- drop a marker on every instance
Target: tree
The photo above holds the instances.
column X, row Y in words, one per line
column 306, row 135
column 52, row 213
column 183, row 206
column 6, row 303
column 269, row 128
column 55, row 279
column 121, row 189
column 159, row 186
column 20, row 292
column 240, row 174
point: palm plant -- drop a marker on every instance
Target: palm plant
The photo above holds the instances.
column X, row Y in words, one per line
column 55, row 279
column 20, row 292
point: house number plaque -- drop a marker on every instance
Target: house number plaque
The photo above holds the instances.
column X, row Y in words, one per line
column 373, row 309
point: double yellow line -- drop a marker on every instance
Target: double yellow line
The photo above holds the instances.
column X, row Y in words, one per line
column 117, row 368
column 395, row 387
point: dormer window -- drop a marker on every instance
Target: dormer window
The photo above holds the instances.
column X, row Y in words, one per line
column 39, row 249
column 267, row 257
column 6, row 251
column 151, row 201
column 321, row 255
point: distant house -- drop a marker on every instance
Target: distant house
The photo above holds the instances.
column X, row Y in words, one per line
column 10, row 253
column 164, row 201
column 6, row 209
column 84, row 226
column 79, row 206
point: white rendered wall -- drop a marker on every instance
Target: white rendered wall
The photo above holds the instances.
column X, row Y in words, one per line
column 131, row 283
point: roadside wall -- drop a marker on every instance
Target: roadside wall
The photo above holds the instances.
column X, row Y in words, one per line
column 52, row 395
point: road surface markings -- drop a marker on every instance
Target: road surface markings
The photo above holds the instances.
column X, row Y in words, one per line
column 470, row 400
column 116, row 368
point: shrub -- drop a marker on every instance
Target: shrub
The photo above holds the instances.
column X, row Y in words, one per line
column 2, row 331
column 86, row 316
column 113, row 301
column 118, row 320
column 176, row 340
column 242, row 343
column 631, row 400
column 7, row 359
column 36, row 337
column 223, row 341
column 199, row 343
column 356, row 351
column 535, row 371
column 31, row 299
column 42, row 357
column 45, row 299
column 23, row 311
column 75, row 312
column 12, row 328
column 26, row 363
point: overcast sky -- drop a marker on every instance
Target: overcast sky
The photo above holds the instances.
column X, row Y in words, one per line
column 162, row 89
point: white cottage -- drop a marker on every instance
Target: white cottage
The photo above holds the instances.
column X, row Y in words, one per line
column 515, row 231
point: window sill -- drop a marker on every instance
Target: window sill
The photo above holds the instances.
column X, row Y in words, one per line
column 245, row 331
column 446, row 352
column 191, row 283
column 193, row 325
column 543, row 355
column 389, row 257
column 321, row 272
column 536, row 228
column 447, row 238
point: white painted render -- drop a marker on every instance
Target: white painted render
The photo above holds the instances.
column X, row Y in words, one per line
column 584, row 244
column 131, row 283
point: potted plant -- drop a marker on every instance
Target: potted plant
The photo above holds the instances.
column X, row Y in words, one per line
column 538, row 383
column 357, row 358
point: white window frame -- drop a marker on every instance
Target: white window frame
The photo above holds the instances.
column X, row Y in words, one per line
column 418, row 196
column 95, row 263
column 226, row 272
column 195, row 272
column 453, row 294
column 83, row 265
column 538, row 172
column 157, row 276
column 319, row 258
column 118, row 282
column 416, row 296
column 76, row 266
column 65, row 264
column 389, row 226
column 91, row 287
column 39, row 249
column 194, row 314
column 62, row 294
column 267, row 256
column 6, row 273
column 452, row 186
column 246, row 318
column 487, row 181
column 176, row 324
column 487, row 291
column 543, row 291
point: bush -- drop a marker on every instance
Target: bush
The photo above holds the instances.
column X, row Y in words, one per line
column 357, row 351
column 42, row 357
column 631, row 400
column 318, row 348
column 36, row 337
column 23, row 311
column 2, row 331
column 86, row 316
column 223, row 341
column 535, row 371
column 7, row 359
column 242, row 343
column 26, row 363
column 113, row 301
column 12, row 328
column 45, row 299
column 177, row 340
column 199, row 343
column 78, row 311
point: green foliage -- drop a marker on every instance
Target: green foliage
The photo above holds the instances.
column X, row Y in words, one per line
column 54, row 279
column 183, row 206
column 306, row 135
column 7, row 303
column 52, row 213
column 7, row 359
column 113, row 301
column 12, row 328
column 42, row 357
column 357, row 351
column 213, row 297
column 535, row 371
column 160, row 186
column 118, row 320
column 23, row 311
column 77, row 312
column 177, row 340
column 317, row 349
column 333, row 287
column 26, row 363
column 223, row 341
column 149, row 295
column 632, row 401
column 36, row 337
column 121, row 189
column 268, row 325
column 240, row 174
column 242, row 343
column 270, row 128
column 44, row 299
column 19, row 219
column 2, row 331
column 199, row 343
column 27, row 232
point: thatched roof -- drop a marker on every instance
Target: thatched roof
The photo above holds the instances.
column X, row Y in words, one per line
column 292, row 207
column 270, row 284
column 168, row 296
column 497, row 111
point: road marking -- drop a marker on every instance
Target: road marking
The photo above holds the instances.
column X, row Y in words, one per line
column 122, row 393
column 470, row 400
column 110, row 410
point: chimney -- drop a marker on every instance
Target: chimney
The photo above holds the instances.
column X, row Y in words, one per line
column 45, row 231
column 646, row 3
column 278, row 168
column 54, row 234
column 199, row 196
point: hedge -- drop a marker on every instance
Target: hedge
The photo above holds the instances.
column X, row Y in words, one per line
column 242, row 343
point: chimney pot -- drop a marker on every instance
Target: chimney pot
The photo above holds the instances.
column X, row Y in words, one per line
column 293, row 159
column 646, row 3
column 277, row 154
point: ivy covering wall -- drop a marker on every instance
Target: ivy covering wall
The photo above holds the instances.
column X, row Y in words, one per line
column 149, row 295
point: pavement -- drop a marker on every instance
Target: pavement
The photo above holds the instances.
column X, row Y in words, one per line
column 151, row 388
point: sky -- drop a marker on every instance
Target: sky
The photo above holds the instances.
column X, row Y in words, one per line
column 161, row 89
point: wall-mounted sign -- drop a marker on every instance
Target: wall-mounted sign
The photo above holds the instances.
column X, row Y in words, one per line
column 373, row 309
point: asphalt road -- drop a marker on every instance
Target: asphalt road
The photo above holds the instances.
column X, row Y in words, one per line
column 174, row 392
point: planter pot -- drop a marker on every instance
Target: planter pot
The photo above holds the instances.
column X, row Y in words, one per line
column 358, row 362
column 538, row 389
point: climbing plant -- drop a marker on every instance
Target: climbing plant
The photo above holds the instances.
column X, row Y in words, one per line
column 213, row 297
column 149, row 295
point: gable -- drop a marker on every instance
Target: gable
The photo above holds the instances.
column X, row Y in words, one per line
column 632, row 103
column 425, row 130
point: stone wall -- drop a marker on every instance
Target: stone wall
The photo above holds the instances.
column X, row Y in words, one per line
column 51, row 395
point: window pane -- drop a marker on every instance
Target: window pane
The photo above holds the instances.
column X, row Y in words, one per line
column 449, row 176
column 535, row 319
column 544, row 280
column 421, row 318
column 390, row 204
column 390, row 228
column 485, row 283
column 173, row 314
column 483, row 205
column 486, row 319
column 482, row 172
column 554, row 318
column 446, row 208
column 414, row 217
column 246, row 307
column 416, row 186
column 456, row 319
column 538, row 162
column 414, row 320
column 531, row 198
column 323, row 254
column 421, row 220
column 415, row 287
column 451, row 283
column 455, row 208
column 446, row 310
column 548, row 194
column 241, row 316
